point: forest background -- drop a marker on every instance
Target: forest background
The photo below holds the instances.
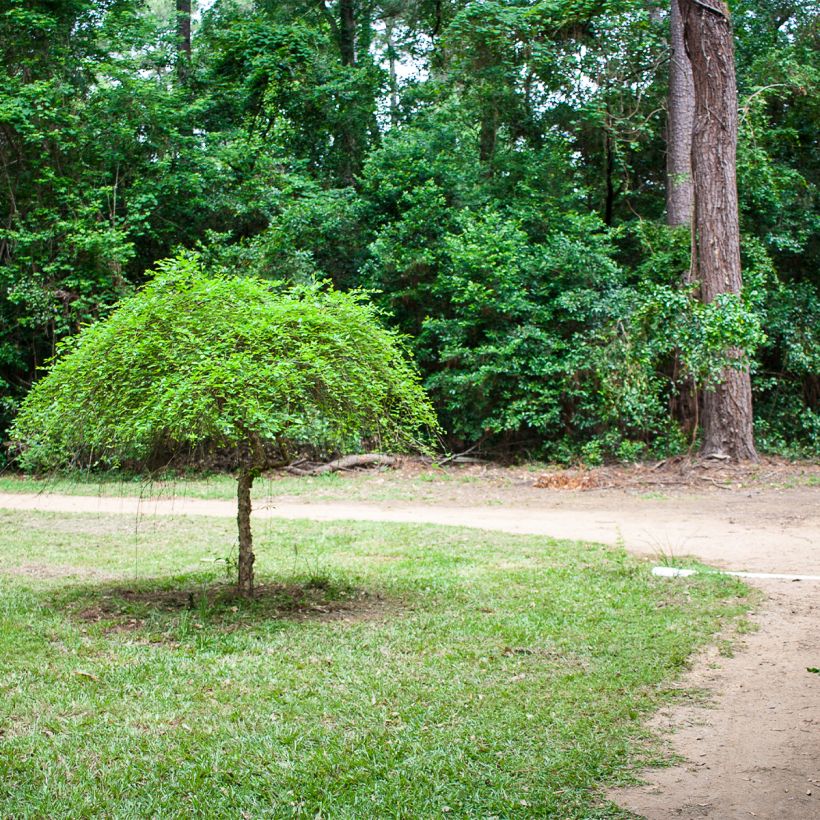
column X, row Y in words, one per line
column 493, row 173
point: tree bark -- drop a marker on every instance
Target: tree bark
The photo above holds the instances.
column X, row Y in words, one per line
column 680, row 118
column 488, row 137
column 350, row 159
column 609, row 175
column 392, row 75
column 243, row 519
column 183, row 62
column 347, row 32
column 679, row 122
column 727, row 409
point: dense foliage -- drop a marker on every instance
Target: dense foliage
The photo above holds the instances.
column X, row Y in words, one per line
column 194, row 360
column 493, row 171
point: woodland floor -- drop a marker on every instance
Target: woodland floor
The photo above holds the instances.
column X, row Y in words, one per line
column 750, row 744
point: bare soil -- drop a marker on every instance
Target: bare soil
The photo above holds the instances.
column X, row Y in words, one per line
column 312, row 601
column 753, row 749
column 751, row 745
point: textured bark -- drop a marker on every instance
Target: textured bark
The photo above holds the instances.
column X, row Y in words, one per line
column 184, row 27
column 609, row 176
column 391, row 72
column 679, row 122
column 347, row 32
column 243, row 519
column 727, row 410
column 347, row 135
column 488, row 136
column 183, row 8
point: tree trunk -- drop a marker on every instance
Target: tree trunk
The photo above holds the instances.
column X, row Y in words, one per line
column 680, row 118
column 243, row 518
column 609, row 175
column 347, row 32
column 727, row 410
column 183, row 36
column 487, row 137
column 679, row 121
column 183, row 29
column 392, row 74
column 347, row 135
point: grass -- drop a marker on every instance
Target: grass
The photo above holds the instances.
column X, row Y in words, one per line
column 388, row 671
column 360, row 486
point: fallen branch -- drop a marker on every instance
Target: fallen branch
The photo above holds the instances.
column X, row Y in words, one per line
column 709, row 478
column 345, row 463
column 461, row 458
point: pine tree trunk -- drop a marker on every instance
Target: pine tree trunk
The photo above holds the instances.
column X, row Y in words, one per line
column 183, row 8
column 350, row 160
column 391, row 72
column 243, row 518
column 609, row 174
column 487, row 137
column 679, row 122
column 727, row 410
column 680, row 109
column 347, row 32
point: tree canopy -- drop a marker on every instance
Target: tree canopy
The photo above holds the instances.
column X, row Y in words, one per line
column 193, row 360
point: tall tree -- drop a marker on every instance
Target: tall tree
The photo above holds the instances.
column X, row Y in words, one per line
column 727, row 409
column 183, row 22
column 680, row 119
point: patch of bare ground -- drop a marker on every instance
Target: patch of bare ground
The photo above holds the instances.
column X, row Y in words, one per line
column 676, row 471
column 122, row 609
column 752, row 748
column 684, row 472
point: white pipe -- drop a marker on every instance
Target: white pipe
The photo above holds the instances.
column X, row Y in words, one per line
column 675, row 572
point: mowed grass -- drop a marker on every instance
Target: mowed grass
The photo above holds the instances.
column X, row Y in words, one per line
column 216, row 486
column 366, row 485
column 388, row 671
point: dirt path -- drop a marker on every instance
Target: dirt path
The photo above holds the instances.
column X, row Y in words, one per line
column 753, row 750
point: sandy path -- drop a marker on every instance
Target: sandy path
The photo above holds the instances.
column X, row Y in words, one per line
column 755, row 750
column 779, row 533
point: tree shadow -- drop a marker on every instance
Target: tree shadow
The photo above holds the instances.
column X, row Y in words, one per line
column 163, row 606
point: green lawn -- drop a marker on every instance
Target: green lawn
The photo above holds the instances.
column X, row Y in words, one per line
column 385, row 670
column 357, row 486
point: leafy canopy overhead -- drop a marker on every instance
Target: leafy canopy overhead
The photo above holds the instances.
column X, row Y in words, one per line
column 197, row 359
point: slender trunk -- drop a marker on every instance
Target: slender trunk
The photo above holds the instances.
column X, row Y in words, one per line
column 437, row 19
column 183, row 37
column 609, row 175
column 392, row 74
column 243, row 518
column 679, row 123
column 437, row 53
column 727, row 410
column 680, row 120
column 488, row 137
column 349, row 160
column 347, row 31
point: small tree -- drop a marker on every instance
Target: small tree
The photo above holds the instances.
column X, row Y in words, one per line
column 194, row 360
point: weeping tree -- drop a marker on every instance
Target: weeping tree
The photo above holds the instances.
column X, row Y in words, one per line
column 195, row 361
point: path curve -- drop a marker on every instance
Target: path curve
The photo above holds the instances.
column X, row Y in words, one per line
column 756, row 751
column 722, row 541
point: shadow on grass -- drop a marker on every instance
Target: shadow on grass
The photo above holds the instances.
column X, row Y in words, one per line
column 163, row 605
